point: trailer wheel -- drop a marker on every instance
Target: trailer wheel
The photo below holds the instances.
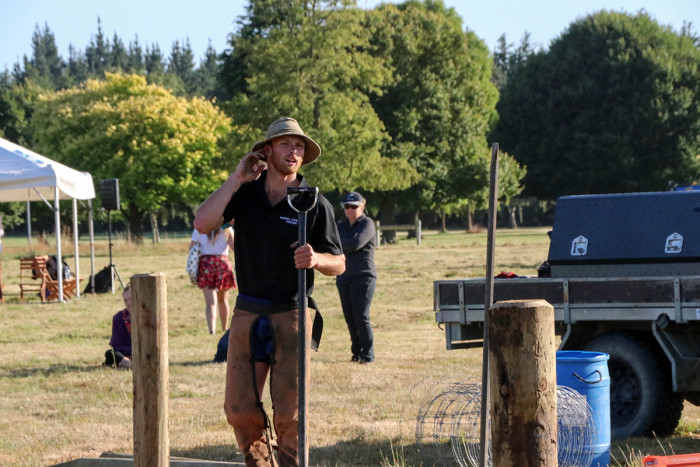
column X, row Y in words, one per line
column 641, row 397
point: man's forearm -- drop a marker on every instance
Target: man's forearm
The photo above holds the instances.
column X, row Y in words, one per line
column 210, row 214
column 330, row 264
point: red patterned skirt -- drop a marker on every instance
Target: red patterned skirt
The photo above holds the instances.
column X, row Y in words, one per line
column 215, row 272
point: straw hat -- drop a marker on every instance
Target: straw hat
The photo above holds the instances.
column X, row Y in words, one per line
column 288, row 126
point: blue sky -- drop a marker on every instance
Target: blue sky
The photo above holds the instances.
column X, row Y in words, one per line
column 164, row 21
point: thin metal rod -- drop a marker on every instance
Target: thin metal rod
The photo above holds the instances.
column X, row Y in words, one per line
column 92, row 248
column 29, row 224
column 59, row 255
column 488, row 302
column 303, row 345
column 302, row 337
column 109, row 241
column 75, row 245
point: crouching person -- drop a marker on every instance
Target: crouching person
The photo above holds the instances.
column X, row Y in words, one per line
column 120, row 353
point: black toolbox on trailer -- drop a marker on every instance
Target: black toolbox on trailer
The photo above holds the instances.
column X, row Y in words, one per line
column 626, row 235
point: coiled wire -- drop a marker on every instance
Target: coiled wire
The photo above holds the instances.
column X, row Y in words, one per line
column 448, row 425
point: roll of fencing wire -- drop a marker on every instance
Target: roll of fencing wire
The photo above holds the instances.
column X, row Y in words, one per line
column 448, row 425
column 436, row 418
column 466, row 429
column 575, row 428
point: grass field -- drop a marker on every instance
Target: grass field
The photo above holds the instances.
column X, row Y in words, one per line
column 58, row 403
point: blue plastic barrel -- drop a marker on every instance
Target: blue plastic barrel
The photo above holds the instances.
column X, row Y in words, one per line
column 587, row 373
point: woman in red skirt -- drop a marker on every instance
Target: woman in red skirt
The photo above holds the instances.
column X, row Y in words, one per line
column 215, row 276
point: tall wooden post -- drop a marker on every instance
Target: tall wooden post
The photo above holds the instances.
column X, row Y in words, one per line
column 149, row 332
column 523, row 384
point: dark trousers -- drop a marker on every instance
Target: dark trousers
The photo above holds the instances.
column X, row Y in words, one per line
column 355, row 298
column 114, row 357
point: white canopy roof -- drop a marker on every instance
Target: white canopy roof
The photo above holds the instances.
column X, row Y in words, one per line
column 27, row 176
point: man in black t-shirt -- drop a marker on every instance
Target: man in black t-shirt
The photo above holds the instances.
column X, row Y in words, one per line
column 263, row 336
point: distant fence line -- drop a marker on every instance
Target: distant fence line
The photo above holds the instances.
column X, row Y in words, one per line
column 407, row 227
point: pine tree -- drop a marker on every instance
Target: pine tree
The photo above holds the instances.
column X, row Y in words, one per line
column 136, row 64
column 97, row 52
column 119, row 60
column 207, row 73
column 46, row 66
column 77, row 66
column 155, row 65
column 506, row 59
column 181, row 65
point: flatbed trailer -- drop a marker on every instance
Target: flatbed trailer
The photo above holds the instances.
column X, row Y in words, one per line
column 649, row 324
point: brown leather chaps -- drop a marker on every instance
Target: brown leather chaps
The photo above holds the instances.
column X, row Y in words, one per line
column 243, row 406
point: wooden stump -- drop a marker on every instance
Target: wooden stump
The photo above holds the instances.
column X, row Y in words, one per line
column 149, row 332
column 523, row 384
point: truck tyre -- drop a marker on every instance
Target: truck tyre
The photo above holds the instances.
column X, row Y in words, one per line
column 641, row 398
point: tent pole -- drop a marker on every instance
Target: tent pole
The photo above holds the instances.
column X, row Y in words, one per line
column 92, row 248
column 75, row 242
column 59, row 256
column 29, row 224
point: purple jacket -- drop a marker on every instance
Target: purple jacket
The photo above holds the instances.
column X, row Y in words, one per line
column 121, row 337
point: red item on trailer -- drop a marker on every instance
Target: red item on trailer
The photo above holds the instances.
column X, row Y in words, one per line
column 681, row 460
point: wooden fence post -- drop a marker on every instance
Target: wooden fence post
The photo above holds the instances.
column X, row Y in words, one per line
column 149, row 331
column 523, row 384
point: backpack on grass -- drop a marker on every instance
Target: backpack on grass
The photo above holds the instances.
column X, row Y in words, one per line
column 103, row 282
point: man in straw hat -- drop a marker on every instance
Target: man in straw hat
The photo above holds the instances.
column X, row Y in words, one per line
column 263, row 336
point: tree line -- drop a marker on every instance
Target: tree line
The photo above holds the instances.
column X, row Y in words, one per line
column 404, row 99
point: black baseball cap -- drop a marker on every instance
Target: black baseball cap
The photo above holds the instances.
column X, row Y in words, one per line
column 353, row 198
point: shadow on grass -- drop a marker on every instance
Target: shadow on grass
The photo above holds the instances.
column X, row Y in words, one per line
column 353, row 453
column 221, row 453
column 61, row 369
column 194, row 364
column 385, row 452
column 52, row 370
column 359, row 453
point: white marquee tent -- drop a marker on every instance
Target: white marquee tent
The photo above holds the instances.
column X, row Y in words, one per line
column 28, row 176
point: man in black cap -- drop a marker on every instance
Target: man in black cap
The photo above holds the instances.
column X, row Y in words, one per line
column 356, row 285
column 264, row 327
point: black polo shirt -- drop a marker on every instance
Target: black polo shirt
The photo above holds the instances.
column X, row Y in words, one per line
column 263, row 238
column 359, row 241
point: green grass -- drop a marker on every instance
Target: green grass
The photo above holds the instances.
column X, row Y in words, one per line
column 59, row 404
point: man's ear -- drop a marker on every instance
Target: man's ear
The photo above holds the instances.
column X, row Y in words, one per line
column 267, row 150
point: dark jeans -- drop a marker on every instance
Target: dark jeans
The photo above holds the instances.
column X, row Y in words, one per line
column 114, row 357
column 355, row 297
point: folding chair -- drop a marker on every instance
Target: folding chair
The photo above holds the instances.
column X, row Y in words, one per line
column 31, row 278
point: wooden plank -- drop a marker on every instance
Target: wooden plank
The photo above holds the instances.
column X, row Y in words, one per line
column 399, row 227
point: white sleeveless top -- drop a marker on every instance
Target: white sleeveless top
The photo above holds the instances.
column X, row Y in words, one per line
column 218, row 247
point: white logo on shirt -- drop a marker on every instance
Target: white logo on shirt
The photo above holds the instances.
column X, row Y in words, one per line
column 290, row 220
